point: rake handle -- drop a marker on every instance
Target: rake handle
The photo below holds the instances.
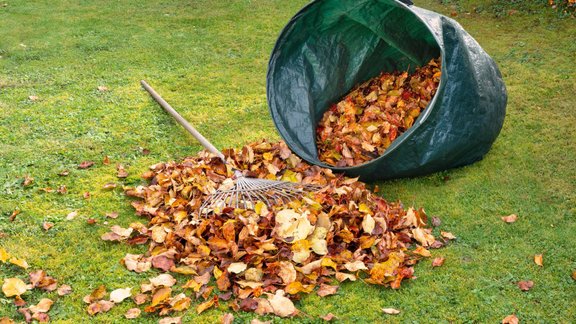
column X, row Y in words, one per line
column 183, row 122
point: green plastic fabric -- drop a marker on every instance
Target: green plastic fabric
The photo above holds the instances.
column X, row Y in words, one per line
column 332, row 45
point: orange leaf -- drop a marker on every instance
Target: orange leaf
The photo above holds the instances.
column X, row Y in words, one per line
column 525, row 285
column 437, row 262
column 538, row 259
column 510, row 319
column 204, row 306
column 510, row 218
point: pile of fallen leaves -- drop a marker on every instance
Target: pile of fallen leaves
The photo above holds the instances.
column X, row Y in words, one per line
column 362, row 126
column 262, row 259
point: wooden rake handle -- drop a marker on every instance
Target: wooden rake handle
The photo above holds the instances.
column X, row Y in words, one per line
column 183, row 122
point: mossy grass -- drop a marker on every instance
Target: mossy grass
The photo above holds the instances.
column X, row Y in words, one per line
column 209, row 59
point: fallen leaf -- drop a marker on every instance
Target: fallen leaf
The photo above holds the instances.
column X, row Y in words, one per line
column 85, row 164
column 19, row 302
column 6, row 320
column 102, row 88
column 43, row 306
column 91, row 221
column 574, row 274
column 64, row 290
column 170, row 320
column 41, row 317
column 204, row 306
column 122, row 173
column 118, row 295
column 14, row 214
column 132, row 313
column 71, row 215
column 140, row 299
column 28, row 180
column 391, row 311
column 422, row 251
column 355, row 266
column 13, row 287
column 328, row 317
column 227, row 318
column 62, row 190
column 64, row 173
column 19, row 262
column 31, row 98
column 106, row 160
column 47, row 225
column 109, row 185
column 525, row 285
column 112, row 215
column 510, row 319
column 438, row 262
column 95, row 295
column 368, row 224
column 86, row 195
column 4, row 255
column 447, row 235
column 237, row 267
column 436, row 221
column 281, row 305
column 510, row 218
column 326, row 290
column 538, row 259
column 161, row 295
column 164, row 279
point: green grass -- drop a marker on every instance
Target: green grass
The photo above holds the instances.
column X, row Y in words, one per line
column 209, row 59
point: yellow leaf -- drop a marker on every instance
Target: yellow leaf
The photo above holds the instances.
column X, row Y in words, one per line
column 4, row 256
column 327, row 262
column 204, row 306
column 300, row 251
column 290, row 224
column 538, row 259
column 13, row 287
column 261, row 209
column 268, row 156
column 19, row 262
column 363, row 208
column 217, row 273
column 368, row 224
column 161, row 295
column 318, row 241
column 448, row 235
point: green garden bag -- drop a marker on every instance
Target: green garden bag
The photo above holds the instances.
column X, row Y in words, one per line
column 330, row 46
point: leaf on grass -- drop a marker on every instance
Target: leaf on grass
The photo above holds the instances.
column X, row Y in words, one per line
column 140, row 299
column 102, row 88
column 422, row 251
column 109, row 185
column 64, row 290
column 4, row 255
column 538, row 259
column 171, row 320
column 326, row 290
column 328, row 317
column 71, row 215
column 106, row 160
column 91, row 221
column 510, row 218
column 161, row 295
column 436, row 221
column 391, row 311
column 101, row 306
column 43, row 306
column 205, row 305
column 136, row 263
column 122, row 173
column 510, row 319
column 14, row 214
column 447, row 235
column 355, row 266
column 13, row 287
column 47, row 225
column 525, row 285
column 438, row 262
column 112, row 215
column 227, row 318
column 95, row 295
column 281, row 305
column 574, row 274
column 85, row 164
column 28, row 180
column 164, row 279
column 118, row 295
column 19, row 262
column 132, row 313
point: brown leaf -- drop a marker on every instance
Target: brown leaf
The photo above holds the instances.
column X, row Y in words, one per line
column 19, row 302
column 43, row 306
column 26, row 313
column 64, row 290
column 112, row 215
column 28, row 180
column 122, row 173
column 438, row 262
column 14, row 214
column 510, row 218
column 391, row 311
column 41, row 317
column 538, row 259
column 85, row 164
column 86, row 195
column 164, row 279
column 140, row 299
column 448, row 235
column 71, row 215
column 162, row 262
column 102, row 88
column 95, row 295
column 106, row 160
column 171, row 320
column 281, row 305
column 47, row 225
column 64, row 173
column 62, row 190
column 510, row 319
column 326, row 290
column 436, row 221
column 525, row 285
column 133, row 313
column 227, row 318
column 109, row 185
column 161, row 295
column 91, row 221
column 328, row 317
column 574, row 274
column 205, row 305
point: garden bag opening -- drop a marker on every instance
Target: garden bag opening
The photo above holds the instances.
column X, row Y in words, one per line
column 330, row 46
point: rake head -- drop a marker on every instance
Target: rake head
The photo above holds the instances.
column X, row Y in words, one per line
column 247, row 191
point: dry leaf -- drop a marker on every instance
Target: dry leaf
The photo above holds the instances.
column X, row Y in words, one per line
column 538, row 259
column 227, row 318
column 136, row 263
column 525, row 285
column 390, row 311
column 205, row 305
column 510, row 218
column 112, row 215
column 447, row 235
column 326, row 290
column 164, row 279
column 132, row 313
column 95, row 295
column 118, row 295
column 102, row 88
column 13, row 287
column 43, row 306
column 438, row 262
column 71, row 215
column 85, row 164
column 328, row 317
column 109, row 185
column 281, row 305
column 237, row 267
column 28, row 180
column 64, row 290
column 47, row 225
column 14, row 214
column 171, row 320
column 510, row 319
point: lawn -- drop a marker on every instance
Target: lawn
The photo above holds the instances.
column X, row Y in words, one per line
column 209, row 60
